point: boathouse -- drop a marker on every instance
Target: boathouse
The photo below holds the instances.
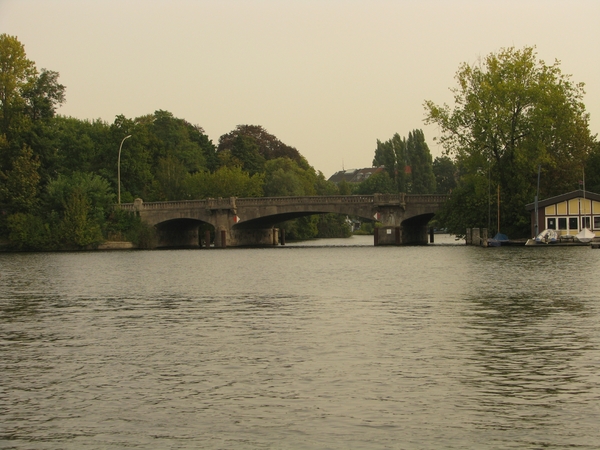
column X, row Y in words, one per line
column 568, row 213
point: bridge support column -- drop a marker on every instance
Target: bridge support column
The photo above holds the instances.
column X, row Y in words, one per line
column 388, row 236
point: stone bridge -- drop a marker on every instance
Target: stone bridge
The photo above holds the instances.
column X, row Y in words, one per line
column 251, row 221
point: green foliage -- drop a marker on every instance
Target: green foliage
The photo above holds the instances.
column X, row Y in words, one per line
column 592, row 170
column 344, row 188
column 422, row 178
column 284, row 177
column 19, row 186
column 333, row 226
column 301, row 229
column 77, row 228
column 16, row 74
column 171, row 180
column 225, row 182
column 267, row 145
column 30, row 232
column 397, row 154
column 96, row 189
column 513, row 112
column 392, row 155
column 472, row 200
column 379, row 183
column 445, row 173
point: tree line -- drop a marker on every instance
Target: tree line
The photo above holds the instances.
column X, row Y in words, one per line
column 59, row 175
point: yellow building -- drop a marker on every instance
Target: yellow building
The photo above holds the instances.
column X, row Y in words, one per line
column 568, row 213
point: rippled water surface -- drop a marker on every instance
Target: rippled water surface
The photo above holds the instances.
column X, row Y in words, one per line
column 312, row 346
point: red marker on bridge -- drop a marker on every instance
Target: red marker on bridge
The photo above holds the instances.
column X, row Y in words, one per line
column 236, row 219
column 377, row 216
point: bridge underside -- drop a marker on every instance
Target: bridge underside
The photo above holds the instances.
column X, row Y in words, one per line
column 194, row 233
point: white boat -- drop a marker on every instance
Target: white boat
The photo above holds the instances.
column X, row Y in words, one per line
column 586, row 235
column 547, row 237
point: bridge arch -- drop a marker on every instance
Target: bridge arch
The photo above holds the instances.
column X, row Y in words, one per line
column 250, row 221
column 182, row 232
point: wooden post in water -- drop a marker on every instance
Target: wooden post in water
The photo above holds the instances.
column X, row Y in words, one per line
column 207, row 238
column 282, row 236
column 397, row 240
column 431, row 235
column 223, row 238
column 376, row 237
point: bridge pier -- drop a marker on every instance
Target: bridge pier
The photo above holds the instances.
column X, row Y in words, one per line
column 405, row 235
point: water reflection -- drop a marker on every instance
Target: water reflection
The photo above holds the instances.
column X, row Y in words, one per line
column 529, row 332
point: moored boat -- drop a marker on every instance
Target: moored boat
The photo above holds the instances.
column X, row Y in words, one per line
column 586, row 235
column 547, row 237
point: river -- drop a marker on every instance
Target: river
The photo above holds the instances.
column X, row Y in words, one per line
column 330, row 344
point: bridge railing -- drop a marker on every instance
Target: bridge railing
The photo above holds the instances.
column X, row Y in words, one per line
column 233, row 202
column 318, row 199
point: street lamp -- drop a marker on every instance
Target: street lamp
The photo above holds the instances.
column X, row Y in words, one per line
column 119, row 170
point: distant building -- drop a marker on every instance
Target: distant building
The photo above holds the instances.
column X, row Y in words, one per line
column 567, row 213
column 354, row 175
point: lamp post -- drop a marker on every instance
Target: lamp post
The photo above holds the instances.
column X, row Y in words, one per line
column 119, row 170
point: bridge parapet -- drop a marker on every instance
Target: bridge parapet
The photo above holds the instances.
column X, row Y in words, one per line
column 313, row 200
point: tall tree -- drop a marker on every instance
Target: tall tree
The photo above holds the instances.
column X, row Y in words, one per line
column 422, row 179
column 268, row 146
column 445, row 173
column 17, row 73
column 512, row 112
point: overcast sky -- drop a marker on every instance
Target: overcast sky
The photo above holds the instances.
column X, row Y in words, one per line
column 328, row 77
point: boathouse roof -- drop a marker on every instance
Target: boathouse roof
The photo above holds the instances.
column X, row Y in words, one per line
column 564, row 197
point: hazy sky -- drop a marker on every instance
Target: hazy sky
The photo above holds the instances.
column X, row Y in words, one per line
column 328, row 77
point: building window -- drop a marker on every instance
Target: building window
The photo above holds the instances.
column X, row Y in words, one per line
column 562, row 223
column 573, row 223
column 551, row 221
column 596, row 222
column 585, row 222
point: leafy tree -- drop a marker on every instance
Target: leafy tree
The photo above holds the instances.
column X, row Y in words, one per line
column 379, row 183
column 225, row 182
column 78, row 229
column 43, row 94
column 79, row 205
column 302, row 228
column 19, row 186
column 392, row 155
column 333, row 226
column 171, row 178
column 445, row 173
column 28, row 100
column 513, row 112
column 422, row 179
column 285, row 177
column 344, row 188
column 244, row 152
column 30, row 232
column 16, row 75
column 268, row 146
